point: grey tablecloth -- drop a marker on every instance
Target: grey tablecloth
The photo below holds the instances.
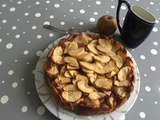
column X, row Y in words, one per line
column 22, row 38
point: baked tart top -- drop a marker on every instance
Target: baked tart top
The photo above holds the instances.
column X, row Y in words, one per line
column 90, row 74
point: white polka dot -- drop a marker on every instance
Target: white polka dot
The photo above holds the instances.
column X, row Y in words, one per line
column 26, row 14
column 28, row 42
column 39, row 36
column 1, row 40
column 18, row 20
column 14, row 84
column 19, row 2
column 3, row 81
column 148, row 89
column 155, row 29
column 89, row 5
column 56, row 5
column 98, row 2
column 142, row 57
column 4, row 21
column 145, row 75
column 142, row 115
column 141, row 99
column 37, row 2
column 155, row 43
column 4, row 5
column 71, row 10
column 123, row 7
column 41, row 110
column 9, row 45
column 154, row 52
column 51, row 34
column 34, row 27
column 0, row 63
column 24, row 32
column 15, row 60
column 92, row 19
column 22, row 79
column 4, row 99
column 151, row 3
column 26, row 52
column 7, row 33
column 37, row 15
column 112, row 6
column 51, row 16
column 12, row 9
column 17, row 36
column 79, row 0
column 10, row 72
column 14, row 27
column 62, row 23
column 46, row 23
column 48, row 1
column 82, row 11
column 24, row 109
column 153, row 68
column 28, row 92
column 95, row 13
column 81, row 23
column 157, row 21
column 155, row 102
column 28, row 21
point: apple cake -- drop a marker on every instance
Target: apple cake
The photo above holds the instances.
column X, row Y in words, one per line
column 90, row 74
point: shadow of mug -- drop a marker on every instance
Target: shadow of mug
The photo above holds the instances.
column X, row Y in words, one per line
column 137, row 25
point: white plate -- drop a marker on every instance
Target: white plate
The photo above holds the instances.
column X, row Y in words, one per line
column 50, row 102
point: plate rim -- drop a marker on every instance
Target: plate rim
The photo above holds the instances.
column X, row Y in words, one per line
column 136, row 70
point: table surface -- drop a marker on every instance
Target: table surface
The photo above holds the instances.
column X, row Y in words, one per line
column 22, row 38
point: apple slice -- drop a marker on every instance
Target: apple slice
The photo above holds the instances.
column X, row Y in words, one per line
column 71, row 61
column 104, row 83
column 71, row 96
column 84, row 87
column 57, row 55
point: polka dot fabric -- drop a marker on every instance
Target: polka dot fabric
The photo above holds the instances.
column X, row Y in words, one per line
column 22, row 39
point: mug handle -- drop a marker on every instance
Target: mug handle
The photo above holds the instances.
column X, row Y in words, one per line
column 118, row 11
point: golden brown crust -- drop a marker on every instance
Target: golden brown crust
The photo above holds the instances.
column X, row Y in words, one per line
column 84, row 82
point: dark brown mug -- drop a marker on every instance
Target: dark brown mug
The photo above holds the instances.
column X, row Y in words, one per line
column 137, row 25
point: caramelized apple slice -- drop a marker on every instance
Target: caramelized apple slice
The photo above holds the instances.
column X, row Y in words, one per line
column 123, row 83
column 52, row 70
column 94, row 96
column 84, row 87
column 76, row 52
column 88, row 57
column 104, row 83
column 120, row 91
column 92, row 47
column 70, row 87
column 57, row 55
column 102, row 58
column 71, row 61
column 63, row 80
column 71, row 96
column 93, row 67
column 123, row 73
